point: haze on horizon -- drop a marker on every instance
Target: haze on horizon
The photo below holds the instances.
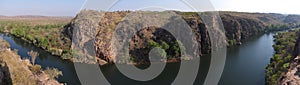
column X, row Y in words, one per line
column 72, row 7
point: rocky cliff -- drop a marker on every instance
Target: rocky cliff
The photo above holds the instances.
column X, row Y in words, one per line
column 292, row 75
column 15, row 71
column 238, row 27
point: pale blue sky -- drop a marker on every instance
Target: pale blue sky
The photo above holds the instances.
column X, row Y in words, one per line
column 71, row 7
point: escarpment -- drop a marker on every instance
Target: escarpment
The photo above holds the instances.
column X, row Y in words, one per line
column 238, row 27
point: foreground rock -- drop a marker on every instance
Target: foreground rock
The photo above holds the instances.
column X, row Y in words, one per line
column 15, row 71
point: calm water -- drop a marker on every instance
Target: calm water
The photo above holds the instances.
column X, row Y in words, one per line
column 245, row 64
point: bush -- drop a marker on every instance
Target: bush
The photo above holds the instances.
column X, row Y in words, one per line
column 53, row 72
column 177, row 48
column 232, row 42
column 151, row 44
column 18, row 32
column 29, row 37
column 165, row 45
column 286, row 65
column 36, row 69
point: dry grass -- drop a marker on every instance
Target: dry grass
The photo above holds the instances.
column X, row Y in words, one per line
column 19, row 72
column 37, row 20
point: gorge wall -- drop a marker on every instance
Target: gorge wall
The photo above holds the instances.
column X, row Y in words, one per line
column 238, row 27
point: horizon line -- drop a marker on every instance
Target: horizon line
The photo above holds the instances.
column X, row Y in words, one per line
column 41, row 15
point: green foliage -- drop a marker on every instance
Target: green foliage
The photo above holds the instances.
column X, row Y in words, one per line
column 45, row 35
column 173, row 49
column 1, row 28
column 165, row 45
column 280, row 62
column 286, row 65
column 29, row 37
column 44, row 42
column 231, row 42
column 177, row 48
column 151, row 44
column 66, row 56
column 53, row 72
column 278, row 47
column 279, row 27
column 19, row 32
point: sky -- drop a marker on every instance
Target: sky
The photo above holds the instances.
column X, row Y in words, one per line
column 72, row 7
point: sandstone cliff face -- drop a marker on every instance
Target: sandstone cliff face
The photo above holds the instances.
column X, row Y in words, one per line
column 103, row 39
column 200, row 31
column 238, row 27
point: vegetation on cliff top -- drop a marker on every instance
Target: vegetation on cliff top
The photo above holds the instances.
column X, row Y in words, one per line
column 44, row 32
column 280, row 62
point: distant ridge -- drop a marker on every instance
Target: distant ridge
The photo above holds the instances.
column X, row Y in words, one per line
column 35, row 16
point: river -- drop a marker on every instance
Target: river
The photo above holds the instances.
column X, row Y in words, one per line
column 245, row 64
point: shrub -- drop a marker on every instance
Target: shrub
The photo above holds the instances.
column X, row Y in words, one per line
column 18, row 32
column 53, row 72
column 232, row 42
column 29, row 37
column 165, row 45
column 36, row 69
column 286, row 65
column 177, row 48
column 151, row 44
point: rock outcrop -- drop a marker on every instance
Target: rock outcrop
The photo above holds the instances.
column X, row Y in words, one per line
column 15, row 71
